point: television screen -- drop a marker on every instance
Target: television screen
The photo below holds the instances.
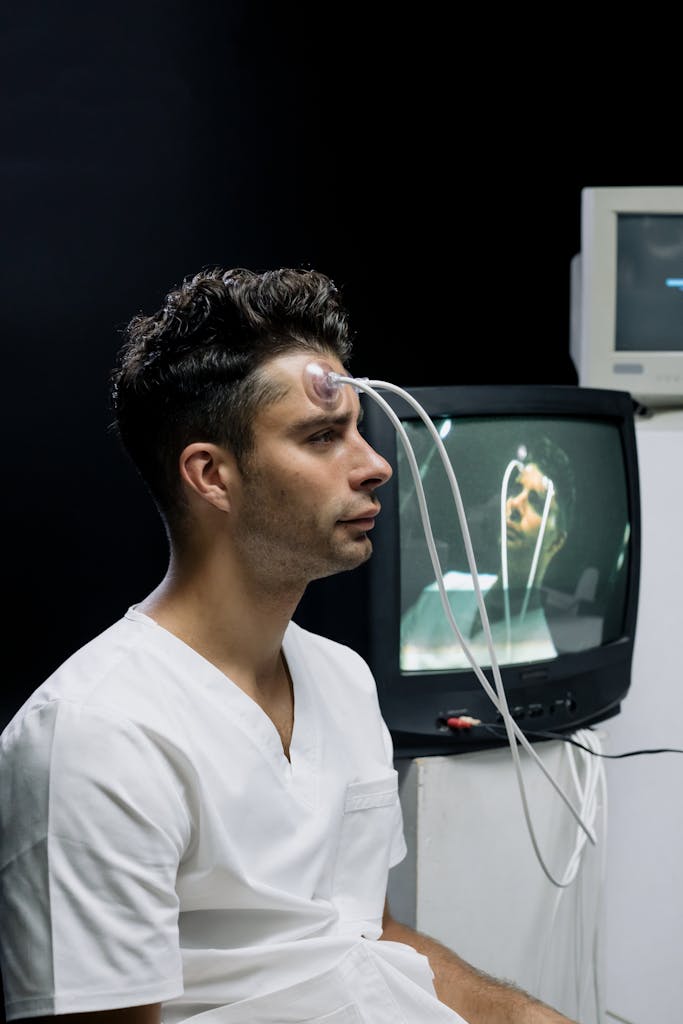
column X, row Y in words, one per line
column 548, row 481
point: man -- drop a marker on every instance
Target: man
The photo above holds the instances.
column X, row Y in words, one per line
column 209, row 808
column 538, row 498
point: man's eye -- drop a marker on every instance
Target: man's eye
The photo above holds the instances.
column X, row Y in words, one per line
column 324, row 437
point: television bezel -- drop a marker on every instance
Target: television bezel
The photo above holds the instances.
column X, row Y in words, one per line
column 654, row 378
column 575, row 690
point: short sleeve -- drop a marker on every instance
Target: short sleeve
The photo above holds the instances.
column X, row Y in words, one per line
column 94, row 821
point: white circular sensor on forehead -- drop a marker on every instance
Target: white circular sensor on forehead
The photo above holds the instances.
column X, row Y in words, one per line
column 322, row 385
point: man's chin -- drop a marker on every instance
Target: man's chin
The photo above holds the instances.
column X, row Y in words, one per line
column 348, row 559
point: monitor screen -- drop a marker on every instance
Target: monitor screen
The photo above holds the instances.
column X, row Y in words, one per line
column 649, row 299
column 546, row 505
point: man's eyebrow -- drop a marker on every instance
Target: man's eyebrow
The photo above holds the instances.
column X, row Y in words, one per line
column 323, row 419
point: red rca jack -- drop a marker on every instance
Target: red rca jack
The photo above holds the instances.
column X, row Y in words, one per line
column 462, row 722
column 456, row 719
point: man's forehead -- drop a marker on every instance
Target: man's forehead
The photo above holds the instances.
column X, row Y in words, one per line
column 285, row 391
column 294, row 361
column 287, row 371
column 533, row 477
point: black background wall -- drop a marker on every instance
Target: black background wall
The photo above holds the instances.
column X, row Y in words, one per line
column 431, row 166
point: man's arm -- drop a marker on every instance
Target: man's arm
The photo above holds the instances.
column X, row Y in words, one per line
column 150, row 1014
column 478, row 997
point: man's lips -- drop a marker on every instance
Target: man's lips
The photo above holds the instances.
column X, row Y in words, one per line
column 364, row 519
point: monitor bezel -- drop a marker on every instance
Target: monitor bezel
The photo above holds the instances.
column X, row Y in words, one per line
column 655, row 379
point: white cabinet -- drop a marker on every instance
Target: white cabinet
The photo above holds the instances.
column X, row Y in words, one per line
column 472, row 880
column 644, row 904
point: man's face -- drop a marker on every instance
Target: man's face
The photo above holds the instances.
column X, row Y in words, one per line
column 306, row 503
column 524, row 513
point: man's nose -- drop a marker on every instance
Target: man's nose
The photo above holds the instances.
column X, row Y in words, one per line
column 372, row 470
column 515, row 507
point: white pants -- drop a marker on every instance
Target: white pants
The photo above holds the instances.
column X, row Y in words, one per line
column 364, row 988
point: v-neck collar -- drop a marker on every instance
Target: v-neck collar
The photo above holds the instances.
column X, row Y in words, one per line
column 299, row 770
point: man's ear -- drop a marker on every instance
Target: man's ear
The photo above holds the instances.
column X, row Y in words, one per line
column 208, row 471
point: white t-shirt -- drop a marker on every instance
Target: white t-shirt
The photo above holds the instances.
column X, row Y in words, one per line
column 156, row 845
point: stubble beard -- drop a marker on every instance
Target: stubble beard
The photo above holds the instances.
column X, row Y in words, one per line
column 287, row 548
column 293, row 558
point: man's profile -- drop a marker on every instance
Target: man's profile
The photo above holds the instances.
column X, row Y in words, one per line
column 536, row 500
column 199, row 808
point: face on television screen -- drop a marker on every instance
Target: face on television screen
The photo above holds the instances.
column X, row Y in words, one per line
column 547, row 511
column 649, row 310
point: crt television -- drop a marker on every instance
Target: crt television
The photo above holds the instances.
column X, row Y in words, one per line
column 563, row 630
column 626, row 305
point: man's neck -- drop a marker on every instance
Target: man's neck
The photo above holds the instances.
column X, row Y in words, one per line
column 234, row 622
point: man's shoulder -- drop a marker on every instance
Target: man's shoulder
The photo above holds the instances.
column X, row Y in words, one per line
column 100, row 673
column 102, row 710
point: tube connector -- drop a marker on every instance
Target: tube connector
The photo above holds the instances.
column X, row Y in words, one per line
column 322, row 385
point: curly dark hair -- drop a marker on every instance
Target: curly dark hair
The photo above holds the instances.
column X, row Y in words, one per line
column 190, row 371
